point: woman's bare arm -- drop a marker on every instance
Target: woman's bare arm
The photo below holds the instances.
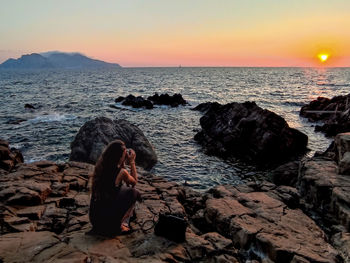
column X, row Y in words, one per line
column 131, row 158
column 128, row 179
column 124, row 176
column 133, row 170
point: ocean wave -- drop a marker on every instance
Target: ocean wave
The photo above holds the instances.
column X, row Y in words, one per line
column 56, row 117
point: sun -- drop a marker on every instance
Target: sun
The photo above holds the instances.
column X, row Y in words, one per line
column 323, row 57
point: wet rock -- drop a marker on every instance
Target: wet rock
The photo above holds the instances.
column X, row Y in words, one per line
column 29, row 106
column 137, row 102
column 95, row 135
column 247, row 131
column 166, row 99
column 325, row 108
column 119, row 99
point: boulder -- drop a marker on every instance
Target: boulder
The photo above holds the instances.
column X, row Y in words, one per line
column 166, row 99
column 335, row 113
column 96, row 134
column 247, row 131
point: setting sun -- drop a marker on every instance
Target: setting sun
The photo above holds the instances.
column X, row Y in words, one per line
column 323, row 57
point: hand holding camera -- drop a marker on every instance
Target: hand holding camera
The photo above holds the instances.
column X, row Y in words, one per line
column 131, row 156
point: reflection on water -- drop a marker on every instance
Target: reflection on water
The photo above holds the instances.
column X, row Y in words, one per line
column 65, row 100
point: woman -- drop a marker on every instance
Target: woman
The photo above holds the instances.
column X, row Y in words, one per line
column 112, row 203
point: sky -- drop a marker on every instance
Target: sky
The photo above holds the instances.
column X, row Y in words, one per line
column 137, row 33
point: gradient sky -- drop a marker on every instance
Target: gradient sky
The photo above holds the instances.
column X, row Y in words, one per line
column 181, row 32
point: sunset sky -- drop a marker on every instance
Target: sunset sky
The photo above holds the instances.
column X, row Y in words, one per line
column 181, row 32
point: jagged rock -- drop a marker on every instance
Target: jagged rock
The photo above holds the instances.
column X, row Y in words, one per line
column 163, row 99
column 325, row 190
column 341, row 241
column 206, row 106
column 277, row 232
column 136, row 102
column 342, row 152
column 95, row 135
column 166, row 99
column 247, row 131
column 334, row 123
column 9, row 158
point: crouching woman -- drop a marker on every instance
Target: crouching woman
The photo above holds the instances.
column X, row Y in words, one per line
column 113, row 194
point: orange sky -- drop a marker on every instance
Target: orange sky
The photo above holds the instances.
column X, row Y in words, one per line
column 187, row 33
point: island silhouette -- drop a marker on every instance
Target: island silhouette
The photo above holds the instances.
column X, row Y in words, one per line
column 56, row 59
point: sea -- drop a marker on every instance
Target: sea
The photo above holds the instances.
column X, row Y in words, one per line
column 66, row 99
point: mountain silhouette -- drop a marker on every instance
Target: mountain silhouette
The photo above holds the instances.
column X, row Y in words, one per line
column 56, row 59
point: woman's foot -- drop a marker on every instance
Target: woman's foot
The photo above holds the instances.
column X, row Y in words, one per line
column 125, row 228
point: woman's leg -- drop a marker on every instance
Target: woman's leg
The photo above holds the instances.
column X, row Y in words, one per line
column 126, row 218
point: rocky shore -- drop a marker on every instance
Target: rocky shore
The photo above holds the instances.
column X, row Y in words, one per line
column 44, row 218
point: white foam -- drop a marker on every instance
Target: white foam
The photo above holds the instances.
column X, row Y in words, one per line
column 56, row 117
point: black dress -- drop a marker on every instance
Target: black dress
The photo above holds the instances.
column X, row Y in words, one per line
column 106, row 214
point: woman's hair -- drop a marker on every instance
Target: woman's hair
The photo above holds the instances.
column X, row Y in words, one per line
column 106, row 168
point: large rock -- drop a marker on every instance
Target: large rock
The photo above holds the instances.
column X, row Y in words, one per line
column 247, row 131
column 135, row 102
column 326, row 191
column 166, row 99
column 256, row 221
column 342, row 152
column 96, row 134
column 335, row 113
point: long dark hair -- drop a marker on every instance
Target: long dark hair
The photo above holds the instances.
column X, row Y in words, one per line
column 106, row 170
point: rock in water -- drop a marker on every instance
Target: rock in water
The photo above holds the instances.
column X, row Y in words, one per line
column 166, row 99
column 335, row 113
column 96, row 134
column 250, row 132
